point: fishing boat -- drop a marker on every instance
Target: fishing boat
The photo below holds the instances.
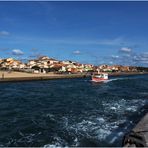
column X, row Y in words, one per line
column 100, row 77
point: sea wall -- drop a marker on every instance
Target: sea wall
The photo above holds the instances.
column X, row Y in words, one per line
column 37, row 78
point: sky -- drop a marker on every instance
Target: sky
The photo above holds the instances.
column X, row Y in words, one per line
column 86, row 32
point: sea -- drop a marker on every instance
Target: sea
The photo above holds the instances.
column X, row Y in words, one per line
column 71, row 112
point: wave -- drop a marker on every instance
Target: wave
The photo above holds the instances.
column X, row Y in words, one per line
column 110, row 127
column 58, row 142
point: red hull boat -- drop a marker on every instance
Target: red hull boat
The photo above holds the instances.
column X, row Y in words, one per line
column 100, row 77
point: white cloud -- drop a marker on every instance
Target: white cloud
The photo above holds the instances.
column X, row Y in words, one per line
column 141, row 59
column 115, row 56
column 77, row 52
column 145, row 55
column 127, row 56
column 17, row 52
column 4, row 33
column 126, row 49
column 111, row 62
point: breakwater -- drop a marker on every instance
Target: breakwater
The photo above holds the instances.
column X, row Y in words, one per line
column 38, row 78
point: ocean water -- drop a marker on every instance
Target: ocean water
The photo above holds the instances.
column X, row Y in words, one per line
column 71, row 112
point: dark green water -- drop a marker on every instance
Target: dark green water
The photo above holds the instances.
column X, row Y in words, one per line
column 71, row 112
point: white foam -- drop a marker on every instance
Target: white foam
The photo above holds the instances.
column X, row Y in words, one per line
column 53, row 146
column 120, row 106
column 51, row 116
column 92, row 128
column 132, row 108
column 50, row 146
column 58, row 142
column 106, row 127
column 76, row 142
column 113, row 108
column 113, row 140
column 101, row 120
column 103, row 133
column 120, row 133
column 115, row 79
column 65, row 121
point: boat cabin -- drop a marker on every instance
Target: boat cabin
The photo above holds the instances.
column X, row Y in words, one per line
column 101, row 75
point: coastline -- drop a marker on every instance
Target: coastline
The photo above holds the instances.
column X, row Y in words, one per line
column 127, row 73
column 21, row 76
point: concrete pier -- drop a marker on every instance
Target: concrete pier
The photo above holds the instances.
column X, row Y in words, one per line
column 138, row 137
column 38, row 78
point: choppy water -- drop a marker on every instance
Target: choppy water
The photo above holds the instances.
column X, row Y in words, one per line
column 71, row 112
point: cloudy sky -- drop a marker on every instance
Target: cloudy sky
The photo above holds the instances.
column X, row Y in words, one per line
column 87, row 32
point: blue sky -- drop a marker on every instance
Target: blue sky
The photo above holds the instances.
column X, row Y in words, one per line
column 87, row 32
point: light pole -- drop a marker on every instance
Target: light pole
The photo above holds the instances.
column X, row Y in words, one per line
column 2, row 75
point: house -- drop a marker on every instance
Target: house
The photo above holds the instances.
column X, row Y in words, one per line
column 102, row 66
column 36, row 69
column 43, row 58
column 53, row 61
column 31, row 62
column 1, row 60
column 125, row 68
column 71, row 65
column 118, row 67
column 88, row 67
column 15, row 64
column 45, row 64
column 55, row 67
column 72, row 70
column 67, row 62
column 63, row 68
column 22, row 66
column 48, row 60
column 133, row 69
column 10, row 63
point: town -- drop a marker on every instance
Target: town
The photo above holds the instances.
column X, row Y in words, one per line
column 45, row 65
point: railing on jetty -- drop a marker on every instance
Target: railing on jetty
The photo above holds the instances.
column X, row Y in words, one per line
column 138, row 137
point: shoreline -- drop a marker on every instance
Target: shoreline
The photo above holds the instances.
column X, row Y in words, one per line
column 41, row 77
column 127, row 73
column 21, row 76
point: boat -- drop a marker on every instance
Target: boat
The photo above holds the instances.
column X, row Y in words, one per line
column 100, row 77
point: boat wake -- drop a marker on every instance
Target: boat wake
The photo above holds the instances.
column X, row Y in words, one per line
column 110, row 80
